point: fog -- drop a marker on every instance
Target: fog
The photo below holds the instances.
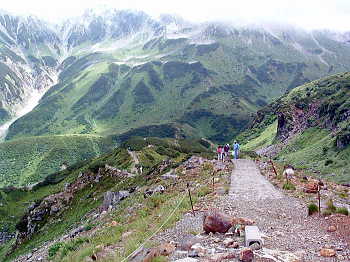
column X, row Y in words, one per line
column 309, row 14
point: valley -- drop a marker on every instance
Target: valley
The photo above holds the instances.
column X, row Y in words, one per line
column 120, row 72
column 110, row 119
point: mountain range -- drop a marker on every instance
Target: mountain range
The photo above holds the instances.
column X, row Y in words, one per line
column 123, row 73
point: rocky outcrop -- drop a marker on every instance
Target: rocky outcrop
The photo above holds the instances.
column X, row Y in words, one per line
column 112, row 199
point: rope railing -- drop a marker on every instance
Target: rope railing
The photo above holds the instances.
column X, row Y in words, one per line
column 156, row 232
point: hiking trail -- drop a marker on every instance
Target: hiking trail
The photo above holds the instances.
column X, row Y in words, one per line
column 289, row 233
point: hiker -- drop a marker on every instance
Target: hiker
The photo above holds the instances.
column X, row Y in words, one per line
column 236, row 148
column 219, row 151
column 226, row 150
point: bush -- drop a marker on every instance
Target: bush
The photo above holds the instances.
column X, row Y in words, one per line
column 288, row 186
column 342, row 210
column 312, row 209
column 54, row 249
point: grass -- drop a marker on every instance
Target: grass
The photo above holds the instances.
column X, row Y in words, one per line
column 342, row 210
column 312, row 209
column 29, row 160
column 266, row 138
column 288, row 186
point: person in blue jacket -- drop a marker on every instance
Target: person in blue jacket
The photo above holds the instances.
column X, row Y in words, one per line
column 236, row 148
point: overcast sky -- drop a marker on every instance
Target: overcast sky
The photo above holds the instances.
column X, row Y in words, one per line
column 310, row 14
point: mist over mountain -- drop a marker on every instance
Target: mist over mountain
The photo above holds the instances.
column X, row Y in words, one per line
column 122, row 73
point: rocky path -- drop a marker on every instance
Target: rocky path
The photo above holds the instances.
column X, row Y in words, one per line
column 289, row 234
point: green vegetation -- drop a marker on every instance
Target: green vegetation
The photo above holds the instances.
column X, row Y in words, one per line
column 312, row 209
column 288, row 186
column 29, row 160
column 152, row 210
column 318, row 109
column 342, row 210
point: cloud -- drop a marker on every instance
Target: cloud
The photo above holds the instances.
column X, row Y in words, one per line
column 310, row 14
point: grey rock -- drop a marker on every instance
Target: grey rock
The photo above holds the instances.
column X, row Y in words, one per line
column 112, row 199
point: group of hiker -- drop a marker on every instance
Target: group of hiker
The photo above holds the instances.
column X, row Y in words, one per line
column 224, row 151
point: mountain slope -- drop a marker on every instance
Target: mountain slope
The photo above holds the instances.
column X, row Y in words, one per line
column 78, row 192
column 308, row 127
column 124, row 72
column 29, row 160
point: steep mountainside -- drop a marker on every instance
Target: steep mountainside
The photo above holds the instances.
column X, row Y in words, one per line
column 308, row 127
column 124, row 69
column 124, row 72
column 66, row 200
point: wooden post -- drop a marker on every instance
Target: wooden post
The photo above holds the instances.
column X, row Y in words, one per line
column 213, row 183
column 273, row 166
column 189, row 193
column 319, row 198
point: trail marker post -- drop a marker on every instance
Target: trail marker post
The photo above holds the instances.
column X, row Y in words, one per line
column 273, row 167
column 189, row 193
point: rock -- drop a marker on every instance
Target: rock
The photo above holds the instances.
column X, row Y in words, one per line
column 193, row 253
column 311, row 187
column 163, row 250
column 187, row 259
column 114, row 223
column 221, row 256
column 187, row 243
column 327, row 252
column 215, row 221
column 200, row 250
column 235, row 245
column 228, row 242
column 158, row 189
column 111, row 199
column 76, row 231
column 243, row 221
column 170, row 175
column 255, row 246
column 331, row 229
column 246, row 255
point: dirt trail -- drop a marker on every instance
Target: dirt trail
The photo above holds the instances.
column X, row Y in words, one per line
column 135, row 161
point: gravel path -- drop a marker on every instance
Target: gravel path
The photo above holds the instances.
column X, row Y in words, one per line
column 289, row 234
column 248, row 184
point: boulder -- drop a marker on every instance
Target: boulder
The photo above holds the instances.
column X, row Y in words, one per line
column 246, row 255
column 215, row 221
column 111, row 199
column 158, row 189
column 327, row 252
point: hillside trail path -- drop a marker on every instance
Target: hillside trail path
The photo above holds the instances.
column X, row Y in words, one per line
column 289, row 233
column 135, row 161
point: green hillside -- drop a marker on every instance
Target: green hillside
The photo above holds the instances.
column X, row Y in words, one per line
column 87, row 183
column 29, row 160
column 312, row 127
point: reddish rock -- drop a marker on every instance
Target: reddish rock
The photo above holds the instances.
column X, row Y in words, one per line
column 246, row 255
column 331, row 229
column 163, row 250
column 327, row 252
column 311, row 187
column 215, row 221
